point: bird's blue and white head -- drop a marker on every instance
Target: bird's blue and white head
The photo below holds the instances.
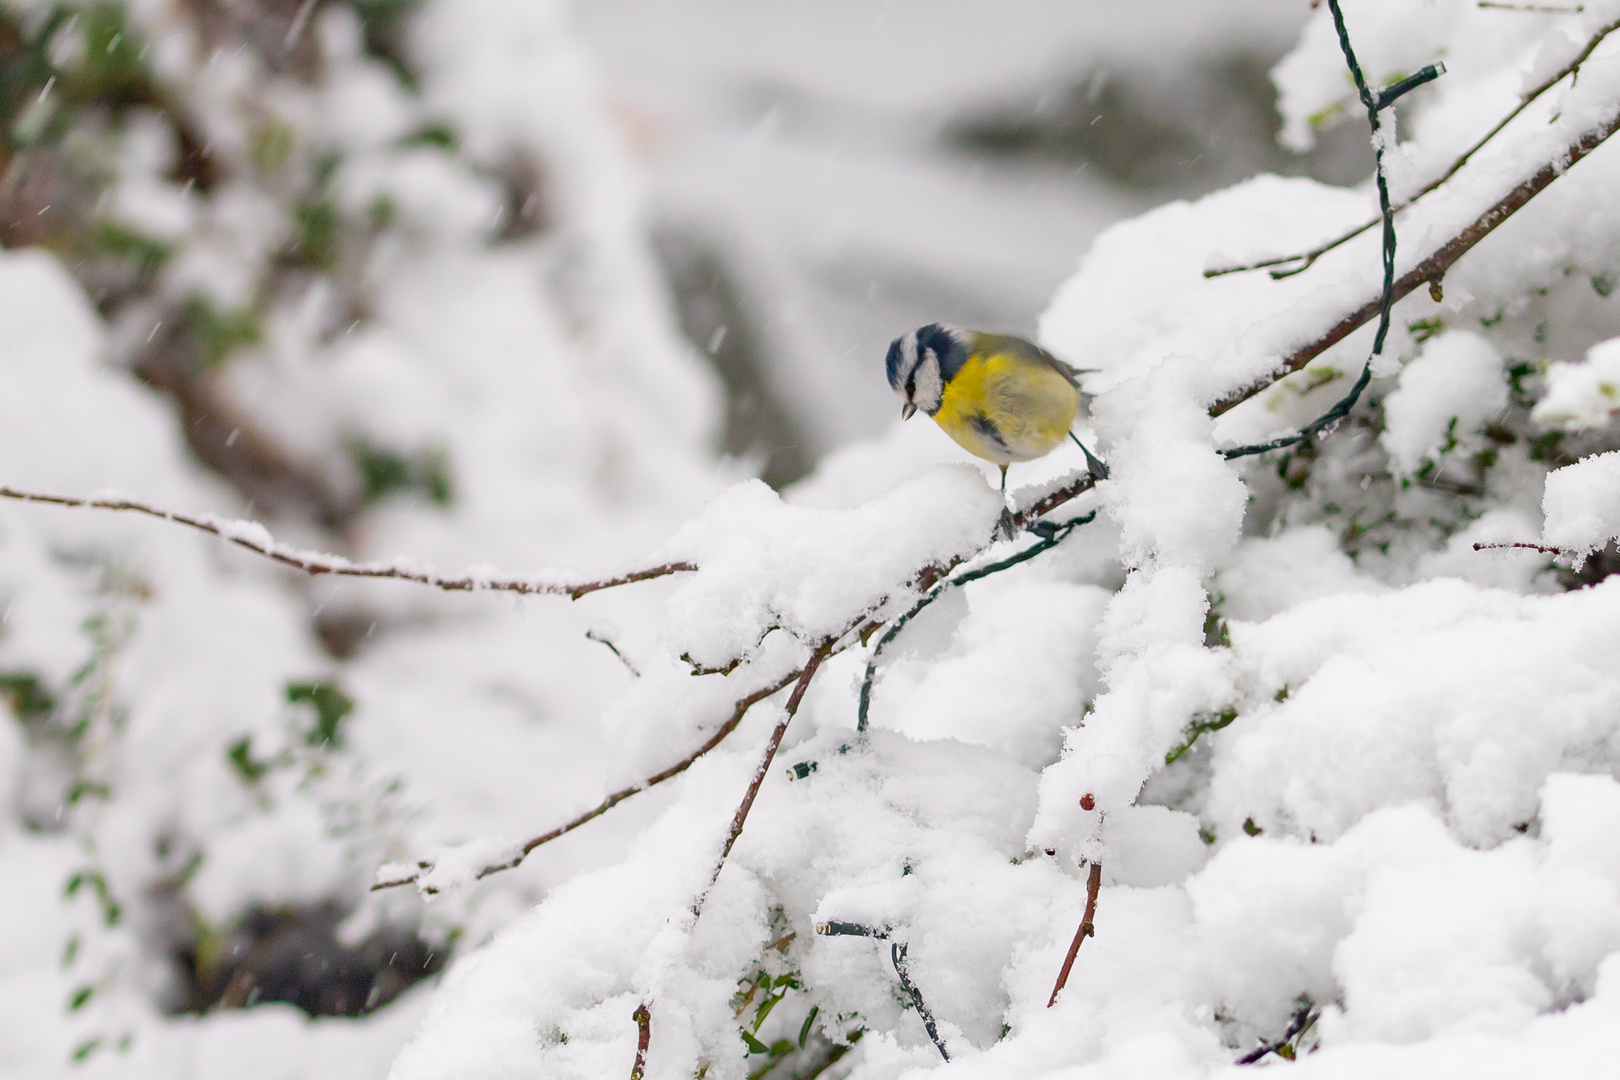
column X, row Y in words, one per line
column 922, row 362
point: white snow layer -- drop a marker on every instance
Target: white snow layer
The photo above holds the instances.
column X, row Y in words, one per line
column 1403, row 806
column 1583, row 395
column 1401, row 812
column 1582, row 504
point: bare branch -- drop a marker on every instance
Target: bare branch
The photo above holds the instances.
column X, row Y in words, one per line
column 619, row 796
column 740, row 818
column 1540, row 9
column 1306, row 259
column 643, row 1018
column 1087, row 929
column 1545, row 549
column 253, row 537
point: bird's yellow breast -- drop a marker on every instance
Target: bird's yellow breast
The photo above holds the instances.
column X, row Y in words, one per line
column 1007, row 408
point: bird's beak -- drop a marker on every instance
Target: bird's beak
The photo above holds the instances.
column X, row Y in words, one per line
column 907, row 411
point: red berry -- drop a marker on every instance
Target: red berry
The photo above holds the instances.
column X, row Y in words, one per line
column 1087, row 802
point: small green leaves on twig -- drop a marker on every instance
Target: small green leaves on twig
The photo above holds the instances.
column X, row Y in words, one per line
column 1202, row 725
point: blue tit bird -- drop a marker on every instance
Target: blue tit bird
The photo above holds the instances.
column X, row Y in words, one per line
column 1000, row 397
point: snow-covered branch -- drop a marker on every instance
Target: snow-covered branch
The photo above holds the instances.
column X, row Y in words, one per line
column 254, row 537
column 430, row 876
column 434, row 874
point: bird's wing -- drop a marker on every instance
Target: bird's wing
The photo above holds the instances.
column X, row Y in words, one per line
column 1032, row 351
column 1068, row 371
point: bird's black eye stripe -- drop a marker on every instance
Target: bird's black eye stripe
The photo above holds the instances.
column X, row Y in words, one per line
column 911, row 386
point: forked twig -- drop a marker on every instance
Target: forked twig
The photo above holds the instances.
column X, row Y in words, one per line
column 1087, row 929
column 617, row 797
column 1050, row 536
column 256, row 538
column 902, row 970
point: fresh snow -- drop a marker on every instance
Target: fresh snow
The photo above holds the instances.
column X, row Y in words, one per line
column 1399, row 809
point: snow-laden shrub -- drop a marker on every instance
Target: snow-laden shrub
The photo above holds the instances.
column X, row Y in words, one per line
column 1389, row 752
column 1349, row 779
column 378, row 266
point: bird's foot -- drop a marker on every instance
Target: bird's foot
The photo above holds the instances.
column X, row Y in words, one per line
column 1094, row 464
column 1007, row 527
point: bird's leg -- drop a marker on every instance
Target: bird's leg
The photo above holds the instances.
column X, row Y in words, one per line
column 1006, row 528
column 1097, row 468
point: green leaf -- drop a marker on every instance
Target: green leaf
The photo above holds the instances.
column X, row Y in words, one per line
column 80, row 996
column 765, row 1008
column 217, row 334
column 240, row 755
column 442, row 136
column 1202, row 725
column 753, row 1044
column 804, row 1029
column 331, row 707
column 26, row 695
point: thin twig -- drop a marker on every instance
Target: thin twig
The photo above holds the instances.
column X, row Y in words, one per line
column 1050, row 537
column 592, row 635
column 1087, row 929
column 1545, row 549
column 296, row 30
column 622, row 794
column 643, row 1018
column 1303, row 1018
column 255, row 538
column 740, row 818
column 1540, row 9
column 897, row 956
column 1308, row 258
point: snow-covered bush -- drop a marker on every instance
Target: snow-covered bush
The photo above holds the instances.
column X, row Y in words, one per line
column 1349, row 782
column 378, row 266
column 1334, row 761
